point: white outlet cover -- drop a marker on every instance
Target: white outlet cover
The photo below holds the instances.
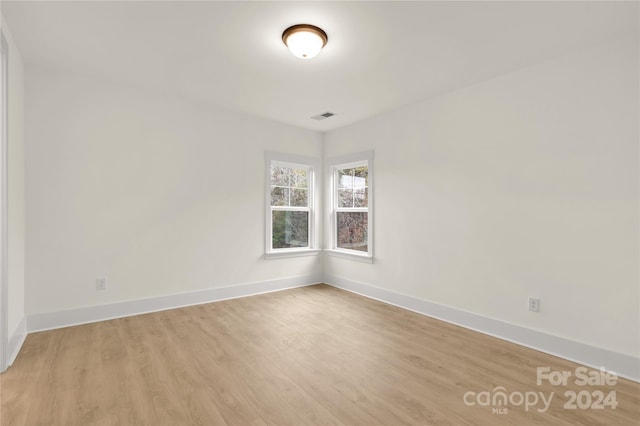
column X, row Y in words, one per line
column 101, row 283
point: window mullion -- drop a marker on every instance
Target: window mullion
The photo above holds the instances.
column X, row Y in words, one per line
column 353, row 187
column 352, row 209
column 290, row 209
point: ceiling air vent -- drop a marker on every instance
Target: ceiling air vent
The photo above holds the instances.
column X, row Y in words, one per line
column 323, row 116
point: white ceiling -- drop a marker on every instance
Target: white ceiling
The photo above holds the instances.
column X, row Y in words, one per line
column 380, row 55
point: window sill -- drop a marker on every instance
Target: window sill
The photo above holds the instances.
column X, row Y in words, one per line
column 350, row 255
column 291, row 253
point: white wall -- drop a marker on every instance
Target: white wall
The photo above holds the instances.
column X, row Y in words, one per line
column 524, row 185
column 159, row 195
column 16, row 187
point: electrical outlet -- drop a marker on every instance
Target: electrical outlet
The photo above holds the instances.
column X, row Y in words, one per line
column 534, row 304
column 101, row 283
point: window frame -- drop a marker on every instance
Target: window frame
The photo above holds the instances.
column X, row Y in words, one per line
column 294, row 161
column 340, row 163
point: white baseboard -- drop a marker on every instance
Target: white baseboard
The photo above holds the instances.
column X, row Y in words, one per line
column 88, row 314
column 15, row 342
column 623, row 365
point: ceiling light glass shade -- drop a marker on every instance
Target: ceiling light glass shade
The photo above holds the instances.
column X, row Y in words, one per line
column 304, row 41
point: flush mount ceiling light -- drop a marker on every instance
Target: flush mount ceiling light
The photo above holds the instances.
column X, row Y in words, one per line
column 304, row 41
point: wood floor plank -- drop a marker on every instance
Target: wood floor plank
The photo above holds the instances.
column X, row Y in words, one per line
column 308, row 356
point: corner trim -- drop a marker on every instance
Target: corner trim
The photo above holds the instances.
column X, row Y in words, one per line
column 16, row 340
column 89, row 314
column 4, row 261
column 626, row 366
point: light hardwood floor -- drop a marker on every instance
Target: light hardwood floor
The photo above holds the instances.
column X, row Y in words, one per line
column 313, row 355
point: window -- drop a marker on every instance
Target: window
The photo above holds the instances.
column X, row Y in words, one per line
column 291, row 219
column 289, row 206
column 351, row 215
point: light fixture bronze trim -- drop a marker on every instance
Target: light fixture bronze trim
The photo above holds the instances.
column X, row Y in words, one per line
column 305, row 27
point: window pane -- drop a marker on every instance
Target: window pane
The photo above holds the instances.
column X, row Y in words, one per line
column 279, row 196
column 361, row 197
column 289, row 229
column 360, row 177
column 279, row 176
column 299, row 178
column 299, row 198
column 353, row 230
column 345, row 198
column 345, row 178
